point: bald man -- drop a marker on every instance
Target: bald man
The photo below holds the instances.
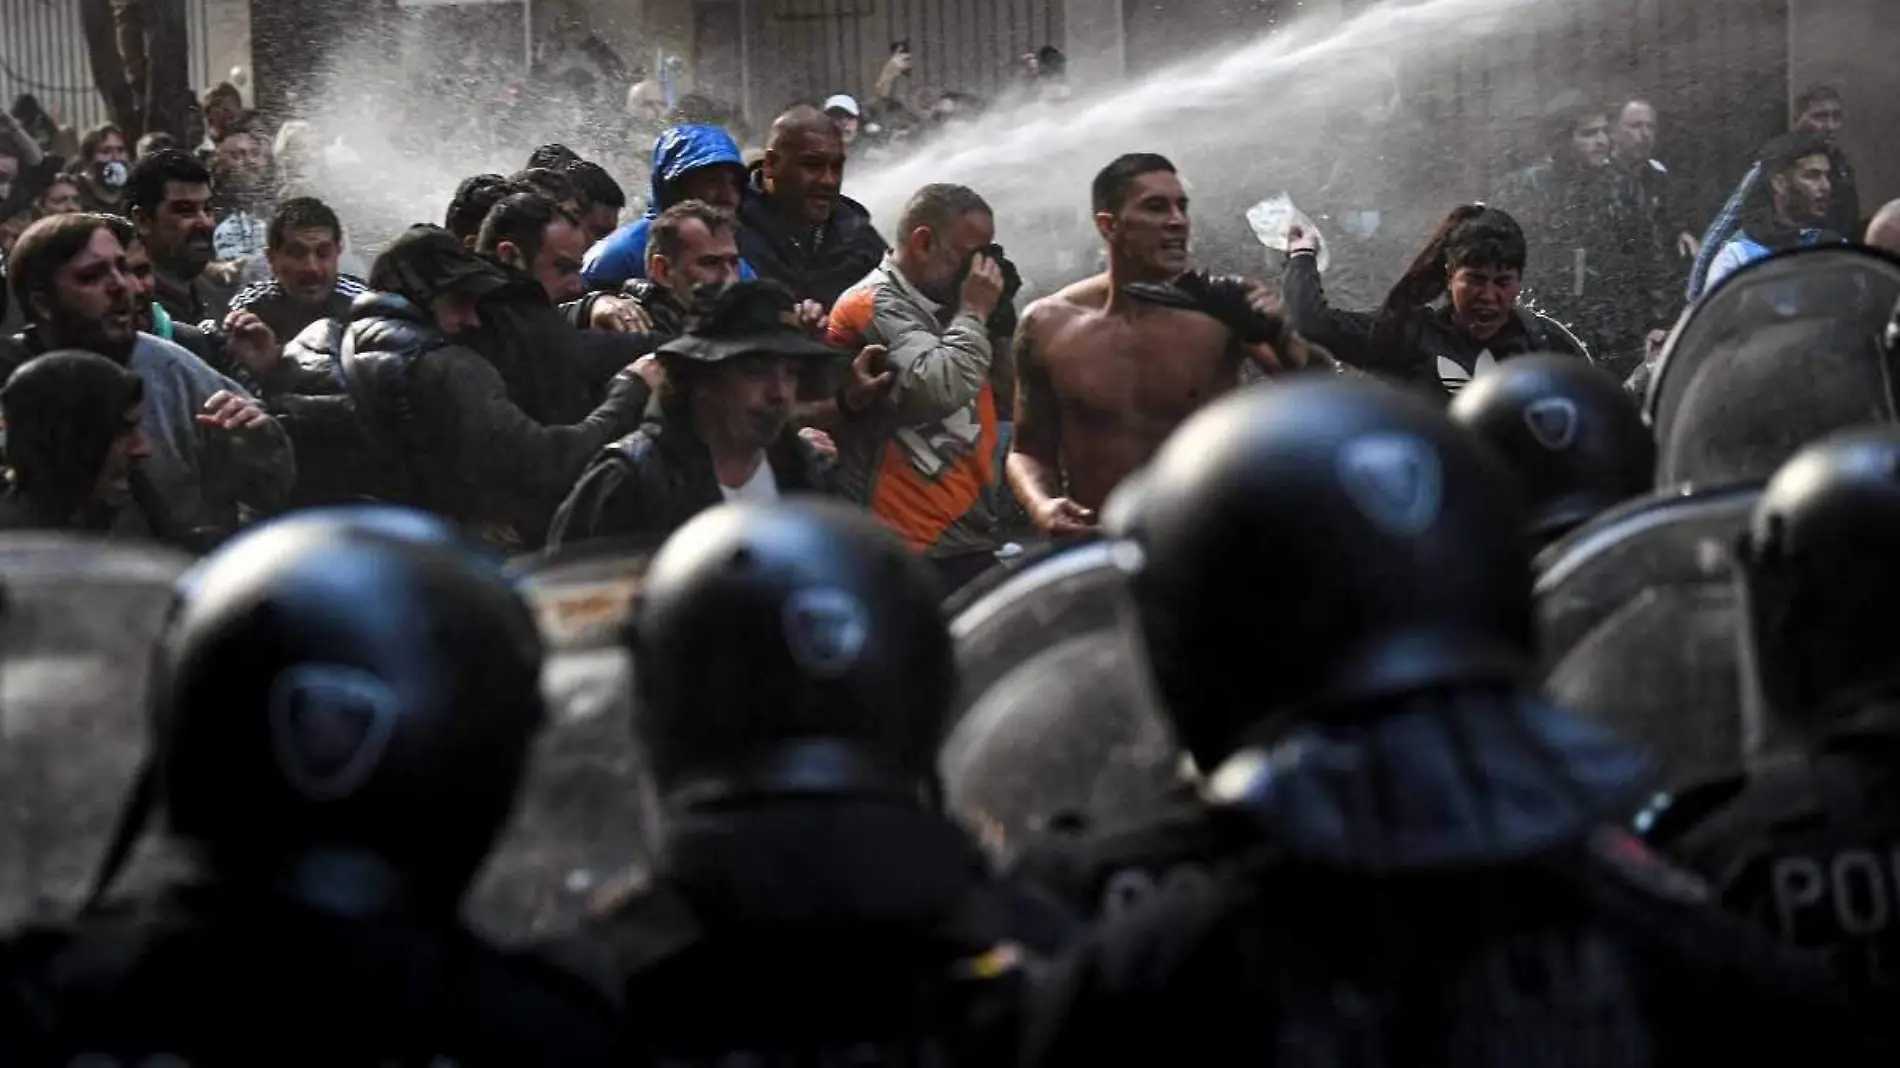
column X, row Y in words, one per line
column 1884, row 232
column 795, row 227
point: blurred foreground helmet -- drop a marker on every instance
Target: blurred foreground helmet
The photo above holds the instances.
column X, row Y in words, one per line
column 1318, row 544
column 791, row 648
column 1821, row 575
column 347, row 701
column 1786, row 351
column 1572, row 435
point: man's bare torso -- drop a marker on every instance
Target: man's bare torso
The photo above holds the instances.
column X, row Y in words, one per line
column 1122, row 379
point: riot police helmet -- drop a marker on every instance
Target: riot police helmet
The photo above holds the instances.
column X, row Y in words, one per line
column 345, row 704
column 1298, row 552
column 1820, row 573
column 789, row 649
column 1569, row 431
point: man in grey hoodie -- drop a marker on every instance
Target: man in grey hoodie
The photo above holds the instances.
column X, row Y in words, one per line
column 216, row 455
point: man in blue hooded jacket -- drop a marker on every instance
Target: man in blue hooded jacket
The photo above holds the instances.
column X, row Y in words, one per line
column 689, row 163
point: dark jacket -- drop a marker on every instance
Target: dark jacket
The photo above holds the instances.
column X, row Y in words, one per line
column 192, row 301
column 556, row 369
column 645, row 486
column 1439, row 885
column 340, row 463
column 288, row 317
column 1432, row 353
column 818, row 926
column 444, row 412
column 819, row 263
column 209, row 980
column 669, row 317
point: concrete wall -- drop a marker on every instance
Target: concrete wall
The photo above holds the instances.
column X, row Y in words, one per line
column 1850, row 44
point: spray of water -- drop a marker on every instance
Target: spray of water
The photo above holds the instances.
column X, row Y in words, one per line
column 1349, row 117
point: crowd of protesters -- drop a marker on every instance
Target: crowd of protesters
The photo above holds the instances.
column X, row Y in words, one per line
column 818, row 425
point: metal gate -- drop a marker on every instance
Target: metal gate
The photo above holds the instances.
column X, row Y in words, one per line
column 810, row 49
column 43, row 52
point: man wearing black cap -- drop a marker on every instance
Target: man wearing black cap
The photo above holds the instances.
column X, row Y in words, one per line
column 719, row 431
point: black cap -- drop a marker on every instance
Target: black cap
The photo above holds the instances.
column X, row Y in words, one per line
column 744, row 319
column 428, row 261
column 792, row 648
column 1299, row 550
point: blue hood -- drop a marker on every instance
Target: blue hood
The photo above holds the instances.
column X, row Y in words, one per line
column 684, row 149
column 681, row 150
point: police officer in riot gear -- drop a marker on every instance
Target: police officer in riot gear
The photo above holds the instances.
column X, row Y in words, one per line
column 1806, row 843
column 1569, row 432
column 344, row 704
column 1419, row 865
column 793, row 672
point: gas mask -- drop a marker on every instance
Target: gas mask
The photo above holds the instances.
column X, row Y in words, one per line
column 111, row 174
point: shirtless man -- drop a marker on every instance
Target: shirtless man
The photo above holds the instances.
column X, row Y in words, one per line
column 1102, row 378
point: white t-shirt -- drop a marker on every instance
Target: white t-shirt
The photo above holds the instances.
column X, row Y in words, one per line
column 762, row 486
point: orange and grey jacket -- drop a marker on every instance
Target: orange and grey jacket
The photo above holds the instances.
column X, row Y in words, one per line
column 922, row 459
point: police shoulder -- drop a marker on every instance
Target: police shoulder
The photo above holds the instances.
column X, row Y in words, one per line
column 1670, row 815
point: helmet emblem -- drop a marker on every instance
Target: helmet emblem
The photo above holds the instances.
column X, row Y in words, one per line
column 825, row 631
column 330, row 726
column 1553, row 422
column 1395, row 481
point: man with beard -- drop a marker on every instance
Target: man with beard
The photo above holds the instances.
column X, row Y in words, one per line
column 73, row 440
column 796, row 229
column 104, row 164
column 690, row 245
column 1820, row 111
column 242, row 347
column 1790, row 208
column 446, row 413
column 170, row 198
column 722, row 429
column 303, row 247
column 215, row 452
column 533, row 234
column 1093, row 402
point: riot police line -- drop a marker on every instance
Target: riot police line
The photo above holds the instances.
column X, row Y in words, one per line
column 1357, row 775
